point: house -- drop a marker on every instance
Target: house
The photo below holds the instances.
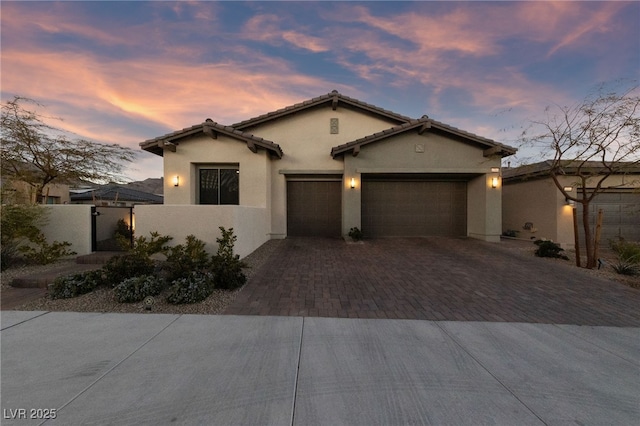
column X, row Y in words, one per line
column 113, row 195
column 20, row 192
column 533, row 206
column 331, row 163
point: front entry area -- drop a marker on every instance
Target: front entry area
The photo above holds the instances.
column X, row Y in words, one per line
column 314, row 208
column 408, row 207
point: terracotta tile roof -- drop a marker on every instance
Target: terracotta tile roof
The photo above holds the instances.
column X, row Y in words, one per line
column 156, row 145
column 334, row 98
column 424, row 123
column 567, row 167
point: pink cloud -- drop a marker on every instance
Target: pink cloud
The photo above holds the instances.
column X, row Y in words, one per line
column 268, row 28
column 169, row 94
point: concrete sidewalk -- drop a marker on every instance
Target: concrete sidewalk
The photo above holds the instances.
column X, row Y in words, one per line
column 154, row 369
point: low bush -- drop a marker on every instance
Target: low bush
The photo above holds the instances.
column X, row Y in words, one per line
column 355, row 233
column 227, row 267
column 19, row 224
column 137, row 288
column 628, row 262
column 191, row 289
column 627, row 252
column 75, row 285
column 184, row 259
column 119, row 268
column 626, row 268
column 547, row 248
column 156, row 244
column 43, row 253
column 22, row 239
column 136, row 262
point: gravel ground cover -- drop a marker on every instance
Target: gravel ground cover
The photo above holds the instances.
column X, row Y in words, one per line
column 103, row 299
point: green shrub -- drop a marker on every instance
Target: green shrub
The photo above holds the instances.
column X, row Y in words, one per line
column 355, row 233
column 156, row 244
column 75, row 285
column 119, row 268
column 184, row 259
column 227, row 267
column 43, row 253
column 137, row 288
column 626, row 268
column 123, row 229
column 21, row 235
column 547, row 248
column 627, row 252
column 18, row 225
column 191, row 289
column 137, row 261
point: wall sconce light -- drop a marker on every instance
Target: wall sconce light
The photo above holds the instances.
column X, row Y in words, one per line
column 353, row 183
column 176, row 180
column 569, row 202
column 495, row 170
column 568, row 188
column 494, row 182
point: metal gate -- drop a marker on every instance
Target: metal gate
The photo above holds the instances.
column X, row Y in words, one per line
column 106, row 223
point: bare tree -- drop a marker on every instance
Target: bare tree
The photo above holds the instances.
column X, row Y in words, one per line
column 38, row 153
column 591, row 140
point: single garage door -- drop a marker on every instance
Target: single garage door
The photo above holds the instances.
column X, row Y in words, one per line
column 314, row 208
column 399, row 208
column 620, row 215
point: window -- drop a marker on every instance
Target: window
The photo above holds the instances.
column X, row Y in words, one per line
column 219, row 185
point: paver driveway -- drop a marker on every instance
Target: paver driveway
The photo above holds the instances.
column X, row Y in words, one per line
column 431, row 279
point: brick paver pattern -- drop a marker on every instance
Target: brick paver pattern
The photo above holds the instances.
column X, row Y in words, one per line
column 431, row 279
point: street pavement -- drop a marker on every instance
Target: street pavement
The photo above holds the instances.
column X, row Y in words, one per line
column 65, row 368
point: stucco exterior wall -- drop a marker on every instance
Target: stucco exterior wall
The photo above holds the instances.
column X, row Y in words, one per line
column 306, row 141
column 539, row 201
column 533, row 201
column 250, row 224
column 429, row 153
column 484, row 209
column 203, row 150
column 72, row 223
column 441, row 155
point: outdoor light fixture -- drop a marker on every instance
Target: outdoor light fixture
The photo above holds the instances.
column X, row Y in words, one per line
column 176, row 181
column 494, row 182
column 568, row 188
column 569, row 202
column 495, row 170
column 353, row 183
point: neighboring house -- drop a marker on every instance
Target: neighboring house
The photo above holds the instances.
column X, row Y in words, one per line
column 323, row 166
column 21, row 192
column 113, row 195
column 533, row 206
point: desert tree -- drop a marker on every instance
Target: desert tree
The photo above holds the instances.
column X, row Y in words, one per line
column 590, row 141
column 38, row 153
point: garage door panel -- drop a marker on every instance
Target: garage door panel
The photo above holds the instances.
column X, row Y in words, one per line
column 314, row 208
column 413, row 208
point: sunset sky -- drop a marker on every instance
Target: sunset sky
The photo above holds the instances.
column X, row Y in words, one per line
column 124, row 72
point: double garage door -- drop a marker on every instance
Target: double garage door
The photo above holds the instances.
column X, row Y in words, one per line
column 405, row 208
column 390, row 208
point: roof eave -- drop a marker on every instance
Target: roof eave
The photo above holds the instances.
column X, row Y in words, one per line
column 332, row 99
